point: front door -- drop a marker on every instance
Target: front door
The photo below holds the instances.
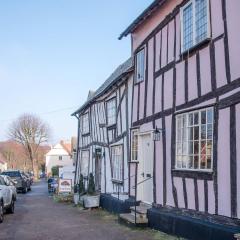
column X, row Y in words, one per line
column 98, row 164
column 145, row 168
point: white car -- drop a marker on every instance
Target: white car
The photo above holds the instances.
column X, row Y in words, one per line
column 7, row 199
column 9, row 182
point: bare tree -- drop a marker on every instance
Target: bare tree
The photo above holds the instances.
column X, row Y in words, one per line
column 31, row 132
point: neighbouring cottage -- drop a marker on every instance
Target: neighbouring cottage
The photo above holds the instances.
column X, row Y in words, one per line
column 59, row 156
column 185, row 128
column 103, row 135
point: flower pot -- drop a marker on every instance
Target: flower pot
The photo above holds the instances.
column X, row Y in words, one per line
column 91, row 201
column 76, row 198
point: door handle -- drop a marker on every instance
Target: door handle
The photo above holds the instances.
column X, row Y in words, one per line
column 148, row 175
column 142, row 174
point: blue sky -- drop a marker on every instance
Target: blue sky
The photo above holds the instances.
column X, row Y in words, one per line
column 53, row 52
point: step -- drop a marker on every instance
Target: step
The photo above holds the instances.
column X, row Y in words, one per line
column 140, row 209
column 139, row 215
column 128, row 217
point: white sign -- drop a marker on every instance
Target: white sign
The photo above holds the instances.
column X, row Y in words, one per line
column 65, row 185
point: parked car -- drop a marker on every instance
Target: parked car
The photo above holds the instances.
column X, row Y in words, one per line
column 7, row 199
column 21, row 182
column 11, row 185
column 28, row 179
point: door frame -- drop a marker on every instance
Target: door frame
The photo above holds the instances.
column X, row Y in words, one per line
column 140, row 188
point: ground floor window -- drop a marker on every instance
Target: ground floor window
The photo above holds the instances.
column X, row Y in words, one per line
column 84, row 162
column 117, row 162
column 194, row 140
column 134, row 145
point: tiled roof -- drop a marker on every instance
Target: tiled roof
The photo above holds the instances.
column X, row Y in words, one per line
column 123, row 69
column 142, row 17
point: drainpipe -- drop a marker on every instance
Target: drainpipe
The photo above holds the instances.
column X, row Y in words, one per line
column 76, row 164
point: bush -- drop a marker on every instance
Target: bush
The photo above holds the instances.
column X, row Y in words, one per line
column 55, row 171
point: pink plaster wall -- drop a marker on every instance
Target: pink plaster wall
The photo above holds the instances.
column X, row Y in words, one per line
column 158, row 95
column 190, row 193
column 171, row 36
column 180, row 85
column 201, row 195
column 192, row 78
column 159, row 167
column 216, row 18
column 146, row 127
column 145, row 29
column 158, row 47
column 170, row 201
column 150, row 78
column 205, row 70
column 224, row 201
column 220, row 64
column 211, row 198
column 135, row 103
column 164, row 47
column 233, row 20
column 168, row 89
column 238, row 158
column 179, row 187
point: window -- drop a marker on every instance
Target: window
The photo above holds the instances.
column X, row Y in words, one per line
column 140, row 66
column 111, row 112
column 195, row 23
column 84, row 162
column 85, row 124
column 60, row 158
column 194, row 140
column 134, row 145
column 117, row 163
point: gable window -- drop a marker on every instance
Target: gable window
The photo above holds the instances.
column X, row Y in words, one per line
column 60, row 158
column 134, row 142
column 111, row 112
column 140, row 66
column 194, row 23
column 194, row 140
column 117, row 162
column 84, row 162
column 85, row 124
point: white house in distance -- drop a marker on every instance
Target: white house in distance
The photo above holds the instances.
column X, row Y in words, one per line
column 60, row 155
column 3, row 163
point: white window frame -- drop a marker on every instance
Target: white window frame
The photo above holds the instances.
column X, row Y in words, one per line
column 134, row 132
column 138, row 64
column 85, row 128
column 199, row 169
column 110, row 116
column 117, row 174
column 193, row 2
column 83, row 158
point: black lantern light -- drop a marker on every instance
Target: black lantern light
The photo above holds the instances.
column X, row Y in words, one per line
column 157, row 134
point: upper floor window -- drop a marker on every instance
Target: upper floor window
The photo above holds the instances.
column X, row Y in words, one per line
column 60, row 158
column 194, row 140
column 117, row 162
column 134, row 144
column 111, row 112
column 194, row 23
column 85, row 124
column 84, row 162
column 140, row 66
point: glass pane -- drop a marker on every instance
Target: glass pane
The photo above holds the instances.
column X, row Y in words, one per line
column 203, row 162
column 196, row 162
column 190, row 133
column 196, row 147
column 184, row 134
column 209, row 148
column 179, row 161
column 203, row 117
column 203, row 147
column 185, row 144
column 196, row 118
column 184, row 161
column 179, row 148
column 187, row 27
column 209, row 162
column 190, row 162
column 210, row 116
column 209, row 131
column 190, row 147
column 203, row 132
column 196, row 133
column 190, row 119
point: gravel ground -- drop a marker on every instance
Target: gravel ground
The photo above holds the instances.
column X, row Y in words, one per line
column 38, row 217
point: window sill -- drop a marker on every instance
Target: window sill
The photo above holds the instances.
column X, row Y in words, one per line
column 199, row 174
column 194, row 48
column 117, row 181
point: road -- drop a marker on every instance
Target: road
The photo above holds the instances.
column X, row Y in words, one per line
column 38, row 217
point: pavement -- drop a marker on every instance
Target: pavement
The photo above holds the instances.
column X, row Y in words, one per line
column 38, row 217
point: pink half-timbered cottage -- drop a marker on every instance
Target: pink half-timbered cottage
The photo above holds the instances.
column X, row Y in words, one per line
column 185, row 133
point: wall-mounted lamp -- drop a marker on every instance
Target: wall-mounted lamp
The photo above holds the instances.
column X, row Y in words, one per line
column 157, row 134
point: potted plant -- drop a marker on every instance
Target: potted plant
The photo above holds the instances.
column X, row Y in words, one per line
column 76, row 194
column 92, row 199
column 82, row 190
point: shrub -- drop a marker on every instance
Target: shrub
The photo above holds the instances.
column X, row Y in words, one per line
column 91, row 185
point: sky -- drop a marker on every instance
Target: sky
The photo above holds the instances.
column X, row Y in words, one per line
column 52, row 52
